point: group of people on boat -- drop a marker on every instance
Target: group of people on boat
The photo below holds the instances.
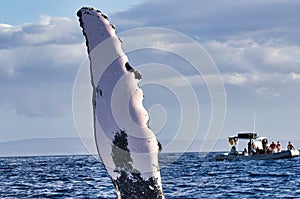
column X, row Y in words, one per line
column 266, row 149
column 272, row 148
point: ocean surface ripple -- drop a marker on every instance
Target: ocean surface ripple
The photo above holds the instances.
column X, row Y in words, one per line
column 193, row 175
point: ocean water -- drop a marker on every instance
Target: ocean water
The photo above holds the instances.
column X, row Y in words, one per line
column 190, row 176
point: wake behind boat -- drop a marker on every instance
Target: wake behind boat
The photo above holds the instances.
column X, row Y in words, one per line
column 258, row 149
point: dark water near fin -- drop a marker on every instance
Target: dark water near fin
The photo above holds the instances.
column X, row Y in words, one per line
column 191, row 176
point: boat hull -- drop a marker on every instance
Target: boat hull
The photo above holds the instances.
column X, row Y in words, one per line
column 270, row 156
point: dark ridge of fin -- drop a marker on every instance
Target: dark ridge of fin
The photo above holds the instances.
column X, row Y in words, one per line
column 79, row 13
column 103, row 15
column 137, row 74
column 159, row 146
column 120, row 40
column 128, row 67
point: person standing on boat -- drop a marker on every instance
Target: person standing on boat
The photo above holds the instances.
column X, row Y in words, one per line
column 290, row 146
column 249, row 147
column 273, row 147
column 264, row 145
column 278, row 147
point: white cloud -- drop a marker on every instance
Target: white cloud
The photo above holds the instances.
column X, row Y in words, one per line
column 259, row 69
column 38, row 65
column 255, row 48
column 295, row 76
column 258, row 83
column 235, row 79
column 248, row 54
column 48, row 30
column 264, row 91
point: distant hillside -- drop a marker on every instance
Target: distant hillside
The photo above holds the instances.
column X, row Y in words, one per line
column 44, row 146
column 75, row 146
column 194, row 146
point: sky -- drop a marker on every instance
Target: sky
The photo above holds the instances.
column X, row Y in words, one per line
column 255, row 46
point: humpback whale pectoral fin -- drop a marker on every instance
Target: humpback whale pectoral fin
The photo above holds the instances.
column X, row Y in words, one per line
column 129, row 159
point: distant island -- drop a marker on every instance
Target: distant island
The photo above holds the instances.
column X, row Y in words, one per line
column 75, row 146
column 44, row 147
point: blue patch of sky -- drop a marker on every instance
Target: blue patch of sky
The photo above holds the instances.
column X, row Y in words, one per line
column 16, row 12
